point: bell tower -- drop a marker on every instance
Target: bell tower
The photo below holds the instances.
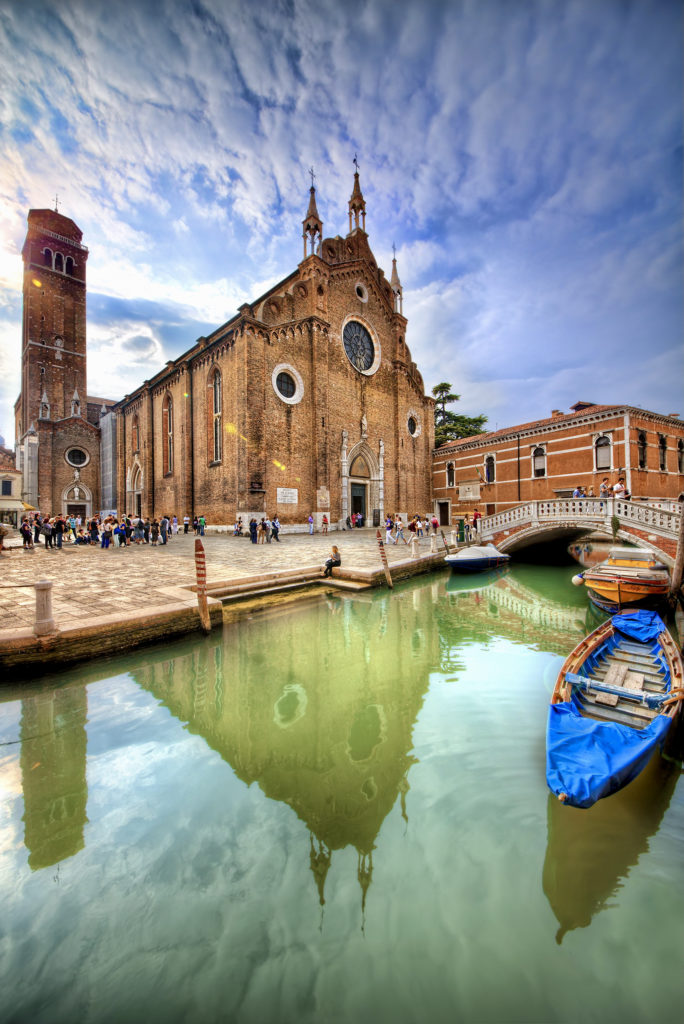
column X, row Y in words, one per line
column 53, row 350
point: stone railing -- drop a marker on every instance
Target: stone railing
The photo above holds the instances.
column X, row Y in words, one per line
column 598, row 511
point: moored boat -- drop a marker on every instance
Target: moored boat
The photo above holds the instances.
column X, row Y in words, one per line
column 627, row 576
column 614, row 701
column 477, row 558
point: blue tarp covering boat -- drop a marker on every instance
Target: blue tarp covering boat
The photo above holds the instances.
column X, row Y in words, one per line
column 613, row 704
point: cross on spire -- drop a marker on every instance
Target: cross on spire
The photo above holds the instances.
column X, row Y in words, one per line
column 356, row 163
column 56, row 203
column 394, row 250
column 313, row 176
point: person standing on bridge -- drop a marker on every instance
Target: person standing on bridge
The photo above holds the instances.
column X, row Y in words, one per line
column 476, row 520
column 619, row 489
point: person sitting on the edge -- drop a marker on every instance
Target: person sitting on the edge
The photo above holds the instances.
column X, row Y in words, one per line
column 334, row 560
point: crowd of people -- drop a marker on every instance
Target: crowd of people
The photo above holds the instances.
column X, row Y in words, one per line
column 606, row 490
column 104, row 531
column 260, row 531
column 418, row 526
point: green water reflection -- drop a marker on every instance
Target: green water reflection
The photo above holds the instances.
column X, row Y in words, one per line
column 337, row 811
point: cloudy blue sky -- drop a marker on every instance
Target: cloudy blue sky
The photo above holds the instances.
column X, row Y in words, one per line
column 524, row 155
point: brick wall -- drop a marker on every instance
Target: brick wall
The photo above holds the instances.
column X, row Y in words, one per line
column 268, row 443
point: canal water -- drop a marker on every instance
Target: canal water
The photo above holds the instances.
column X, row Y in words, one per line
column 336, row 812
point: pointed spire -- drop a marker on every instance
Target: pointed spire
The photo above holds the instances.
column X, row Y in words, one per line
column 396, row 284
column 357, row 204
column 319, row 861
column 312, row 223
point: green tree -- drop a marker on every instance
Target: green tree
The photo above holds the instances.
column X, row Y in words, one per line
column 449, row 425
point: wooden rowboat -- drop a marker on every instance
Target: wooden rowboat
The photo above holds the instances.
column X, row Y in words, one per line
column 627, row 576
column 614, row 701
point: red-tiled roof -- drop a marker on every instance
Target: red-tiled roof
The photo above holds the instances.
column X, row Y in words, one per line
column 532, row 425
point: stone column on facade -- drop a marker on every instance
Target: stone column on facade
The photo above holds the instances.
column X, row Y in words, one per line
column 628, row 466
column 30, row 493
column 345, row 478
column 381, row 481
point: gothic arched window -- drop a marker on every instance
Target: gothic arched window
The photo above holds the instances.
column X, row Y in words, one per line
column 680, row 456
column 490, row 470
column 136, row 434
column 602, row 452
column 68, row 265
column 641, row 449
column 450, row 474
column 167, row 435
column 59, row 262
column 662, row 448
column 47, row 257
column 216, row 416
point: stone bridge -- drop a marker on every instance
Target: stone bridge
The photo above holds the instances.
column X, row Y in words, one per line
column 535, row 522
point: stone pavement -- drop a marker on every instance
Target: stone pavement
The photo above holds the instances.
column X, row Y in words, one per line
column 90, row 582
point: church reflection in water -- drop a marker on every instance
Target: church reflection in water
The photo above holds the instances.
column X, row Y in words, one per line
column 317, row 706
column 53, row 774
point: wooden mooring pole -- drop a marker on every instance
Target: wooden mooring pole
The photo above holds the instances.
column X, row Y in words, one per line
column 676, row 584
column 201, row 570
column 383, row 556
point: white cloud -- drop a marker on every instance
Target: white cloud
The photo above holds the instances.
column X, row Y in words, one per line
column 522, row 157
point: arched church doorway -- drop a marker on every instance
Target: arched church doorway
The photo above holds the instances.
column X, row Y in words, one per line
column 134, row 495
column 359, row 479
column 77, row 501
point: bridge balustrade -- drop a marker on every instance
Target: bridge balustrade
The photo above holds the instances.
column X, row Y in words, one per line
column 592, row 510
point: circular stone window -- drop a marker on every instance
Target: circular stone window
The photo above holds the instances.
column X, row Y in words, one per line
column 413, row 424
column 77, row 457
column 360, row 348
column 361, row 292
column 287, row 384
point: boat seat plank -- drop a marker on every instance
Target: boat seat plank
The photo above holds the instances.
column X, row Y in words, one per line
column 634, row 681
column 610, row 699
column 615, row 676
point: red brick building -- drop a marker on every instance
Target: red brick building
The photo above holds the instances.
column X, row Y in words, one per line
column 549, row 458
column 306, row 402
column 56, row 423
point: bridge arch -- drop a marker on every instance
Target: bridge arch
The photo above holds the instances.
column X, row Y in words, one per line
column 538, row 522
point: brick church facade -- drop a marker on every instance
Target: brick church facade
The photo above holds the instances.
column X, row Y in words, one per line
column 306, row 402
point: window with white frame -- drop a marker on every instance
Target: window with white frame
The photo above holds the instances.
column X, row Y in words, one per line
column 602, row 453
column 539, row 461
column 450, row 474
column 490, row 469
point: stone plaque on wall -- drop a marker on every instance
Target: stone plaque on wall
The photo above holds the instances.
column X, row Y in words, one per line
column 287, row 495
column 469, row 490
column 323, row 498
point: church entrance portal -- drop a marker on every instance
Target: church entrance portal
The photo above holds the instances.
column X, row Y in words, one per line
column 76, row 510
column 358, row 499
